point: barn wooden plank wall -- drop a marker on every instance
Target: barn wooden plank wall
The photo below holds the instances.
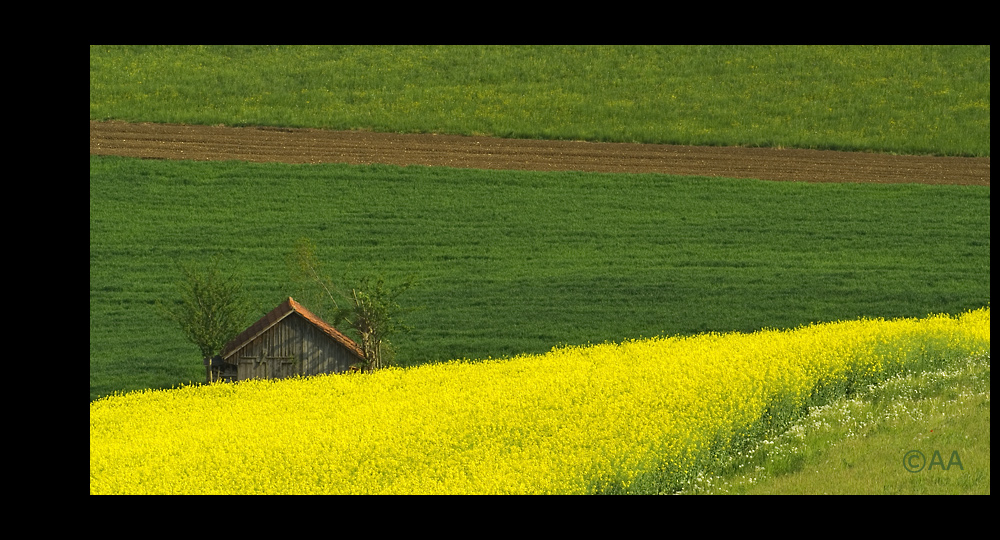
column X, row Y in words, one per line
column 291, row 347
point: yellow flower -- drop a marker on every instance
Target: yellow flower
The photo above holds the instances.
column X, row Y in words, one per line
column 574, row 420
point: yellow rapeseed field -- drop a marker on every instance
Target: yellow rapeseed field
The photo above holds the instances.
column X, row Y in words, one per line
column 574, row 420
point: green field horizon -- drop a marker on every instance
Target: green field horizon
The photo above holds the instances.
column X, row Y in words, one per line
column 911, row 99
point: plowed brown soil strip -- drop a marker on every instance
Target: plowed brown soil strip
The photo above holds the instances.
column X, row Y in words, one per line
column 216, row 143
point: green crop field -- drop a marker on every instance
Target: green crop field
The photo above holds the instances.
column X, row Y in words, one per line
column 899, row 99
column 517, row 262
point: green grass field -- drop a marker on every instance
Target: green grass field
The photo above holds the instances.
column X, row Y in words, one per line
column 900, row 99
column 927, row 433
column 517, row 262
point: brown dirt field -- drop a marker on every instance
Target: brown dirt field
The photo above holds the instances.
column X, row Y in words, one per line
column 262, row 144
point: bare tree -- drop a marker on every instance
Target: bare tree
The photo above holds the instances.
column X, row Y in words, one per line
column 370, row 308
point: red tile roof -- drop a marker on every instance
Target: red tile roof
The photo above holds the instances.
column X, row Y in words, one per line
column 283, row 310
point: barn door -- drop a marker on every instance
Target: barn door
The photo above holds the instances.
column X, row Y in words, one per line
column 265, row 366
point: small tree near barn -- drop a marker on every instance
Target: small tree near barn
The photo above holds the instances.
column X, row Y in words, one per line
column 211, row 309
column 372, row 312
column 370, row 308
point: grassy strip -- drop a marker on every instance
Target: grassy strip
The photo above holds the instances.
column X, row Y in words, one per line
column 901, row 99
column 860, row 445
column 518, row 262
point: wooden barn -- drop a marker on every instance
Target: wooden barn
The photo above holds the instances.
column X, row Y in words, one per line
column 288, row 341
